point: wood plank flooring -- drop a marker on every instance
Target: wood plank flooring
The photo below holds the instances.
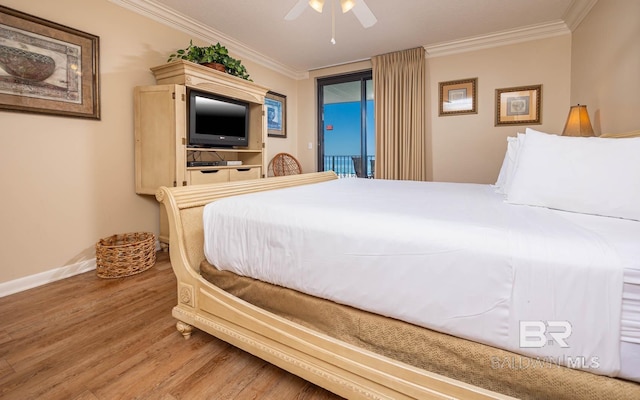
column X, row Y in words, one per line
column 86, row 338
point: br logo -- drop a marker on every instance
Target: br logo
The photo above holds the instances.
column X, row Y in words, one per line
column 534, row 333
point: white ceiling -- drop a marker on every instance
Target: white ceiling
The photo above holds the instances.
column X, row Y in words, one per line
column 257, row 29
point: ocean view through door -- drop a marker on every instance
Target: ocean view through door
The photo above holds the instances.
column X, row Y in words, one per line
column 346, row 133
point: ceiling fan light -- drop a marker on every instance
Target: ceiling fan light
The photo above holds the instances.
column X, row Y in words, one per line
column 347, row 5
column 317, row 5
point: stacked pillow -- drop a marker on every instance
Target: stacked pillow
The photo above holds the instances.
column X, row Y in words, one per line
column 590, row 175
column 509, row 163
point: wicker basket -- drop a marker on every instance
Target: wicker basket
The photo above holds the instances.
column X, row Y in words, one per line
column 127, row 254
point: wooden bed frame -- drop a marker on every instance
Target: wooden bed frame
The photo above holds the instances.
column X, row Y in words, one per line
column 342, row 368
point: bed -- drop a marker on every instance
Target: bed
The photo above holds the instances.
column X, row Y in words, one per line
column 378, row 348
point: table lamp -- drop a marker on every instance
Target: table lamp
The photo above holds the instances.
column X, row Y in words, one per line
column 578, row 123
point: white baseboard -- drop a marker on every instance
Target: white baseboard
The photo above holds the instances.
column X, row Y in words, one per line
column 28, row 282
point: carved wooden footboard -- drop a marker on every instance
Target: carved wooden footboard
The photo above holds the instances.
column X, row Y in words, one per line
column 344, row 369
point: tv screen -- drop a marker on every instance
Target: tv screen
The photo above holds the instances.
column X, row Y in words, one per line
column 217, row 121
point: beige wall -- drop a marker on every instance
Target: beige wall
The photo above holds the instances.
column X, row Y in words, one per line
column 289, row 87
column 470, row 148
column 67, row 182
column 605, row 65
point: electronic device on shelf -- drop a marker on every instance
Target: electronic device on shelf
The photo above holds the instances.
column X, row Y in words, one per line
column 213, row 163
column 217, row 121
column 206, row 163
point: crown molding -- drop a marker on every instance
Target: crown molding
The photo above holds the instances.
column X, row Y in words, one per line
column 173, row 19
column 577, row 11
column 497, row 39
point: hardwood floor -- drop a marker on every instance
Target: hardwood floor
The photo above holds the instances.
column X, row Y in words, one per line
column 87, row 338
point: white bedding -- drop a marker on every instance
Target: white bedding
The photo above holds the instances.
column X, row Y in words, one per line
column 450, row 257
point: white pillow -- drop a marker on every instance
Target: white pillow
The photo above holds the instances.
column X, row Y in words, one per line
column 587, row 175
column 513, row 150
column 506, row 165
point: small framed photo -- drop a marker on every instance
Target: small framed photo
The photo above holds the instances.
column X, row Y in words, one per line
column 47, row 68
column 459, row 97
column 519, row 105
column 276, row 105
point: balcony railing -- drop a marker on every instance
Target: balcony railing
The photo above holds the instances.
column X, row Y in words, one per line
column 345, row 166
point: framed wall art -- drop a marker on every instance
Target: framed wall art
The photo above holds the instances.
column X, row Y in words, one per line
column 459, row 97
column 276, row 105
column 519, row 105
column 47, row 68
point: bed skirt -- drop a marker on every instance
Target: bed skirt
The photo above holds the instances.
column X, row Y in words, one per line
column 474, row 363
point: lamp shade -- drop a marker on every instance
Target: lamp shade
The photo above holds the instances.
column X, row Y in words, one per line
column 578, row 122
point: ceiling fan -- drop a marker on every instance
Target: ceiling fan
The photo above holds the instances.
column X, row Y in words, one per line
column 359, row 8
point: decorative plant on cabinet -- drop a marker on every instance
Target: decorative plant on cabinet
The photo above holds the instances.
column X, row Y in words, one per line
column 214, row 56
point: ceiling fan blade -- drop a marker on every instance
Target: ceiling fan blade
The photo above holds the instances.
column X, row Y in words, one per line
column 297, row 9
column 364, row 14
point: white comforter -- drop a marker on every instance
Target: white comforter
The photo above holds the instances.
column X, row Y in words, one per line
column 450, row 257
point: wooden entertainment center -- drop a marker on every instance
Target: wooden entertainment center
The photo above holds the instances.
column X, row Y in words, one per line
column 161, row 143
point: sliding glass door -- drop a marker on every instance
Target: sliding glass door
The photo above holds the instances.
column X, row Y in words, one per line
column 346, row 134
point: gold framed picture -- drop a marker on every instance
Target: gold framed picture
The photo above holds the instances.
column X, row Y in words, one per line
column 459, row 97
column 47, row 67
column 519, row 105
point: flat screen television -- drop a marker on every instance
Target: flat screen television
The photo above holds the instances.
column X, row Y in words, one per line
column 216, row 121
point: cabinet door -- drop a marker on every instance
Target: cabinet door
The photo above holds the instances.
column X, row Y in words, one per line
column 160, row 137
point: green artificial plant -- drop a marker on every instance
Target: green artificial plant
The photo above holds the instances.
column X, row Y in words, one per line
column 211, row 54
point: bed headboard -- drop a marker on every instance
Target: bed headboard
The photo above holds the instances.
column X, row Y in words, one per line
column 621, row 135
